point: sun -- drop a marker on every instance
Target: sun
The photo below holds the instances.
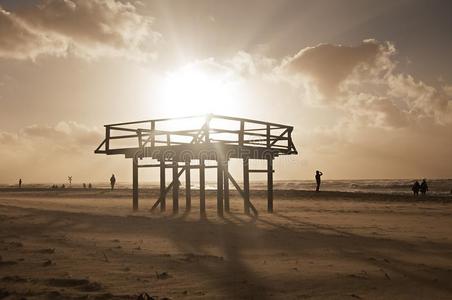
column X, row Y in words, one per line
column 192, row 90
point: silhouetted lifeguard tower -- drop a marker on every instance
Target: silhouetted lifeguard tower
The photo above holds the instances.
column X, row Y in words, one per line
column 175, row 143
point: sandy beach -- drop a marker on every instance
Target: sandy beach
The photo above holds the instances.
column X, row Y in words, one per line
column 78, row 244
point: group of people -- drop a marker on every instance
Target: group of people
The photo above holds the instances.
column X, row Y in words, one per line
column 416, row 188
column 419, row 187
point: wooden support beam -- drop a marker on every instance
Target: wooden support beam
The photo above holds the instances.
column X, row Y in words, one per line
column 166, row 191
column 241, row 192
column 207, row 131
column 175, row 187
column 226, row 185
column 268, row 136
column 241, row 133
column 152, row 136
column 149, row 166
column 202, row 187
column 187, row 186
column 220, row 195
column 258, row 171
column 140, row 138
column 107, row 138
column 162, row 197
column 270, row 184
column 246, row 185
column 135, row 182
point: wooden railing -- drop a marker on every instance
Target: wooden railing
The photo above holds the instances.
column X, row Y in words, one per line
column 197, row 130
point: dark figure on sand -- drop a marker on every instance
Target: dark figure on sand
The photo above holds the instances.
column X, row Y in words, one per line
column 318, row 174
column 424, row 187
column 415, row 188
column 112, row 181
column 20, row 182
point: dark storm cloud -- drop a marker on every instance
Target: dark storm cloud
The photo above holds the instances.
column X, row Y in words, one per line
column 81, row 27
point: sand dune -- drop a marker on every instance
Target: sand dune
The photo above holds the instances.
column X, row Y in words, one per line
column 77, row 244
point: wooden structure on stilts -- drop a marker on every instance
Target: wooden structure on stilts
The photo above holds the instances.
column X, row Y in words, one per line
column 184, row 144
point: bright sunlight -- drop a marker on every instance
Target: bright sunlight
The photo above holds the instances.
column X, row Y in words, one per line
column 192, row 90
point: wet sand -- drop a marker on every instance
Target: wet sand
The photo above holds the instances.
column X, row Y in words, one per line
column 77, row 244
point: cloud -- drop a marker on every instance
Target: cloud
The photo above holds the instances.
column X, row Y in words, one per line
column 329, row 65
column 84, row 28
column 363, row 81
column 43, row 153
column 18, row 41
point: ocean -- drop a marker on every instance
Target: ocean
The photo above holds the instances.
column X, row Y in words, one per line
column 385, row 186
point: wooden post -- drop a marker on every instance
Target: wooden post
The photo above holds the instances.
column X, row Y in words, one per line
column 107, row 138
column 270, row 184
column 187, row 186
column 241, row 133
column 202, row 187
column 207, row 131
column 135, row 182
column 140, row 138
column 175, row 187
column 246, row 184
column 268, row 136
column 226, row 185
column 220, row 188
column 162, row 185
column 152, row 134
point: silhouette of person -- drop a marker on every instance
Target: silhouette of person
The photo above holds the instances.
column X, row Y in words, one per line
column 424, row 187
column 69, row 178
column 112, row 181
column 90, row 186
column 20, row 182
column 84, row 186
column 318, row 174
column 415, row 188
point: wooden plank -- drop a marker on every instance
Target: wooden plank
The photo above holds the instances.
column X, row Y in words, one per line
column 107, row 138
column 135, row 182
column 175, row 188
column 268, row 136
column 270, row 184
column 258, row 171
column 152, row 134
column 202, row 187
column 226, row 185
column 187, row 186
column 149, row 166
column 98, row 148
column 220, row 195
column 246, row 120
column 162, row 185
column 246, row 185
column 241, row 133
column 166, row 190
column 241, row 192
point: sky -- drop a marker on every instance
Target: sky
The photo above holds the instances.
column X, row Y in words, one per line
column 367, row 85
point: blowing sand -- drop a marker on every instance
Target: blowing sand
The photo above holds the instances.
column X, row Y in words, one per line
column 77, row 244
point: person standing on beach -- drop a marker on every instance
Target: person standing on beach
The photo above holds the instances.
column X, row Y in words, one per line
column 318, row 174
column 112, row 181
column 415, row 188
column 424, row 187
column 20, row 182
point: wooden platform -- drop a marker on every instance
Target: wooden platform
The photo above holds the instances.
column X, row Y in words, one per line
column 186, row 143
